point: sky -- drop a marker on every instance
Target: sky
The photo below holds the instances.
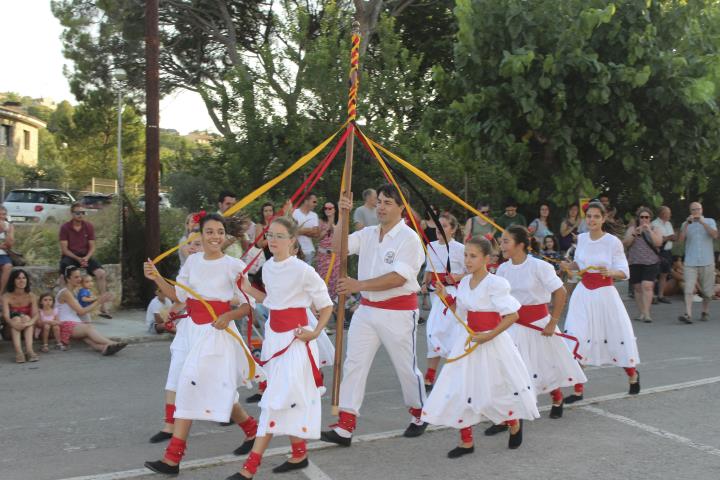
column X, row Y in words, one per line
column 35, row 68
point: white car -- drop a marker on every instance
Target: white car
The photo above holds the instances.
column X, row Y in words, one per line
column 163, row 201
column 38, row 205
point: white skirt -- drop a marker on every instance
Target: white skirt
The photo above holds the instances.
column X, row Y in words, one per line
column 549, row 361
column 212, row 371
column 325, row 346
column 442, row 329
column 598, row 319
column 291, row 402
column 491, row 383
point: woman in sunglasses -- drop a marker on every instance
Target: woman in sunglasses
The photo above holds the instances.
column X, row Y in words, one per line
column 478, row 226
column 643, row 241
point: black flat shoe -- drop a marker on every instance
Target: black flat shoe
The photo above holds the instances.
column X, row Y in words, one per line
column 161, row 467
column 113, row 349
column 515, row 440
column 428, row 387
column 557, row 411
column 458, row 452
column 245, row 447
column 495, row 429
column 635, row 387
column 238, row 476
column 414, row 430
column 226, row 424
column 331, row 436
column 572, row 398
column 685, row 319
column 254, row 398
column 289, row 466
column 160, row 437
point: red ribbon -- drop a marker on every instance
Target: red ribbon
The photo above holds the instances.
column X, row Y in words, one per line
column 533, row 313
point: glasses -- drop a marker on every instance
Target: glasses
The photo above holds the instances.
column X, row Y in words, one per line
column 484, row 212
column 277, row 236
column 695, row 208
column 78, row 212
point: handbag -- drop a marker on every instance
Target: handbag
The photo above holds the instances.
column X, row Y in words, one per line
column 17, row 258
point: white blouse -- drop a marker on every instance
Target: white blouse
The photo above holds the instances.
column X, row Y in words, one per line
column 606, row 251
column 532, row 282
column 438, row 255
column 492, row 294
column 211, row 279
column 293, row 283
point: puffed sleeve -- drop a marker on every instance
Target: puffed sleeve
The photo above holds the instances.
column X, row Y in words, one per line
column 183, row 278
column 409, row 258
column 619, row 260
column 315, row 287
column 547, row 276
column 504, row 303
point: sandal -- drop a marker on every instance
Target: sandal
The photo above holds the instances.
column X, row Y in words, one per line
column 45, row 348
column 33, row 357
column 19, row 358
column 105, row 315
column 61, row 347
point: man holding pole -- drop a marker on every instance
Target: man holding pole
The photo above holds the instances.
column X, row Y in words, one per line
column 390, row 257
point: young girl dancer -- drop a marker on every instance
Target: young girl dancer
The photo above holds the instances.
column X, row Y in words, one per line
column 442, row 328
column 596, row 315
column 291, row 403
column 48, row 321
column 207, row 362
column 533, row 282
column 485, row 379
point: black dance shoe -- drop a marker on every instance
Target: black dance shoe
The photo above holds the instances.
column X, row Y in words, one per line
column 289, row 466
column 458, row 452
column 414, row 430
column 495, row 429
column 557, row 411
column 238, row 476
column 159, row 466
column 245, row 447
column 160, row 437
column 428, row 387
column 515, row 440
column 572, row 398
column 635, row 387
column 331, row 436
column 254, row 398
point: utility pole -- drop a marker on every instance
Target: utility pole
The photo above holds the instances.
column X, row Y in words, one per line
column 152, row 129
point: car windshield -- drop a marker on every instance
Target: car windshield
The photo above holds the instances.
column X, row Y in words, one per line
column 26, row 196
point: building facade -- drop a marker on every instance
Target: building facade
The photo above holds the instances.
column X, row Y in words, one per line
column 19, row 135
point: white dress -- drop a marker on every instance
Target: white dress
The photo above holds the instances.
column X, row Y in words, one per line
column 550, row 362
column 597, row 318
column 291, row 403
column 443, row 328
column 492, row 382
column 208, row 364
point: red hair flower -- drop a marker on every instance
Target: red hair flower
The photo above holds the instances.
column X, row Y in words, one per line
column 199, row 216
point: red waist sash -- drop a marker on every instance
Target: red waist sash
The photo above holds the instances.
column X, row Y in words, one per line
column 593, row 280
column 288, row 319
column 532, row 313
column 483, row 321
column 200, row 313
column 444, row 278
column 403, row 302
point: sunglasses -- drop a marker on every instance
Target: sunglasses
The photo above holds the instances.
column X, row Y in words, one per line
column 78, row 212
column 484, row 212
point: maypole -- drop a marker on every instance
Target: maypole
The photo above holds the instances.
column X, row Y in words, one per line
column 345, row 192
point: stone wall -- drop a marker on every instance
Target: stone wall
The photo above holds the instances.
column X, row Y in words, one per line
column 45, row 279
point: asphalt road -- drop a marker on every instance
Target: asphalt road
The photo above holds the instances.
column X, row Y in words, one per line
column 77, row 414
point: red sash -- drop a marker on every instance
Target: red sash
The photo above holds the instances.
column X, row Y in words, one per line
column 444, row 278
column 593, row 280
column 284, row 321
column 403, row 302
column 532, row 313
column 199, row 312
column 483, row 321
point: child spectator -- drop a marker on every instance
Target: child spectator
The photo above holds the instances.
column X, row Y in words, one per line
column 85, row 296
column 156, row 318
column 47, row 321
column 550, row 251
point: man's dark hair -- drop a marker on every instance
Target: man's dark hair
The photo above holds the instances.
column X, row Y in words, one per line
column 511, row 202
column 75, row 205
column 390, row 191
column 225, row 193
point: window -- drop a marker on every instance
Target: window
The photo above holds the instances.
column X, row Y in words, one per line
column 5, row 138
column 27, row 139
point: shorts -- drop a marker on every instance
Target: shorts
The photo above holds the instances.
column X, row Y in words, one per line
column 643, row 273
column 705, row 276
column 67, row 262
column 5, row 260
column 66, row 331
column 666, row 261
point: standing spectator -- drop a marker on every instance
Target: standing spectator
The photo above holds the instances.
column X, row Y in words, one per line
column 550, row 251
column 477, row 226
column 232, row 247
column 20, row 312
column 267, row 212
column 226, row 199
column 663, row 225
column 309, row 226
column 7, row 238
column 510, row 217
column 328, row 220
column 429, row 227
column 539, row 228
column 605, row 200
column 77, row 244
column 191, row 226
column 698, row 234
column 365, row 215
column 569, row 228
column 642, row 240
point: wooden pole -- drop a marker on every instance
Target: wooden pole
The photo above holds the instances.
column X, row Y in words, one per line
column 344, row 218
column 152, row 130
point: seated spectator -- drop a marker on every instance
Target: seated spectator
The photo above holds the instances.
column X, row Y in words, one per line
column 7, row 238
column 157, row 315
column 675, row 284
column 48, row 321
column 510, row 217
column 71, row 325
column 77, row 244
column 550, row 251
column 85, row 295
column 539, row 228
column 20, row 312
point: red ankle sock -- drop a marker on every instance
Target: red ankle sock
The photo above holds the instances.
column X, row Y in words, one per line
column 253, row 462
column 299, row 449
column 430, row 375
column 249, row 426
column 346, row 421
column 579, row 388
column 262, row 386
column 556, row 395
column 466, row 435
column 511, row 423
column 416, row 412
column 630, row 371
column 169, row 413
column 175, row 450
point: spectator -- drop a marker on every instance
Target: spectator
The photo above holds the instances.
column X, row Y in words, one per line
column 328, row 220
column 71, row 326
column 698, row 233
column 429, row 227
column 308, row 227
column 232, row 247
column 477, row 226
column 20, row 312
column 365, row 215
column 510, row 217
column 226, row 199
column 539, row 228
column 664, row 226
column 642, row 240
column 550, row 251
column 569, row 228
column 605, row 200
column 47, row 321
column 157, row 313
column 77, row 244
column 191, row 226
column 7, row 238
column 267, row 212
column 85, row 295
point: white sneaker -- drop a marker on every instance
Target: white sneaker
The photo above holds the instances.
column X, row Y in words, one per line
column 697, row 299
